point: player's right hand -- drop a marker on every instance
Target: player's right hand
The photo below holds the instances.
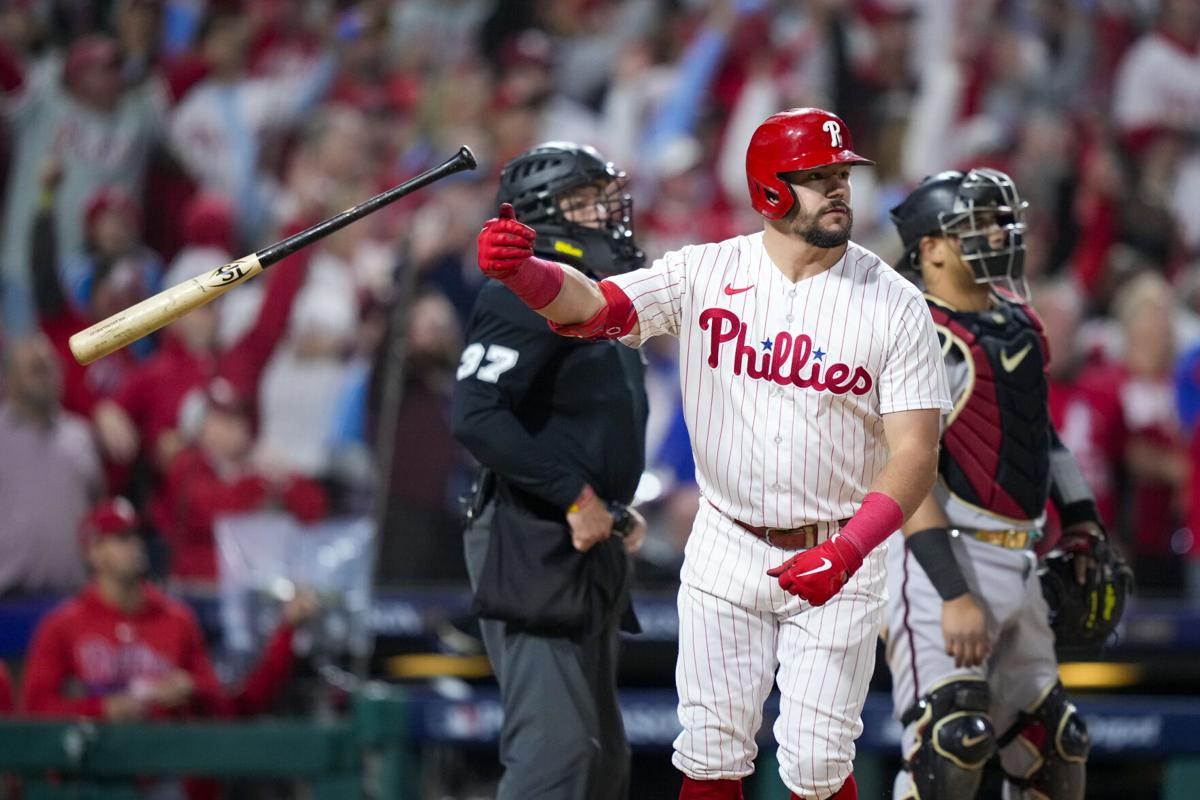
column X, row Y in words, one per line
column 964, row 629
column 504, row 244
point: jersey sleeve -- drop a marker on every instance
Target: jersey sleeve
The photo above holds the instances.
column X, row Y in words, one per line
column 914, row 375
column 656, row 293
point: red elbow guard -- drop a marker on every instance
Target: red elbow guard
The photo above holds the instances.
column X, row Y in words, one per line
column 615, row 320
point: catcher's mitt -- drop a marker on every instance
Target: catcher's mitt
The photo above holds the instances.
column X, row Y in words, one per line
column 1084, row 616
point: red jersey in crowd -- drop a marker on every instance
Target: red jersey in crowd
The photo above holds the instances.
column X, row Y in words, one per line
column 195, row 494
column 1147, row 415
column 1086, row 412
column 87, row 649
column 153, row 391
column 84, row 385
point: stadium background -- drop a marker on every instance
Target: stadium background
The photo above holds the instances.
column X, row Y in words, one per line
column 148, row 140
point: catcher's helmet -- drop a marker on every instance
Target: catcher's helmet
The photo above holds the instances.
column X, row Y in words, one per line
column 969, row 206
column 796, row 139
column 536, row 181
column 1084, row 616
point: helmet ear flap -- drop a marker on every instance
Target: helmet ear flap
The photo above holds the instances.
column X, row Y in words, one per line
column 773, row 197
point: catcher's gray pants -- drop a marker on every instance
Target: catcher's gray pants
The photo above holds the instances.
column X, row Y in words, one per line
column 562, row 737
column 1022, row 667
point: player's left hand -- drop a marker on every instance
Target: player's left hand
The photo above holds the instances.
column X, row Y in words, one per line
column 817, row 574
column 1080, row 541
column 504, row 244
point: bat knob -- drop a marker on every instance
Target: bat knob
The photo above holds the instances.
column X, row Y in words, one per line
column 467, row 157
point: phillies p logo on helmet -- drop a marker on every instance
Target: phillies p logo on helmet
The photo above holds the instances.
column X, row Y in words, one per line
column 835, row 133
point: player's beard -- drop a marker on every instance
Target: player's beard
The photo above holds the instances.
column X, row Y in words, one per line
column 810, row 229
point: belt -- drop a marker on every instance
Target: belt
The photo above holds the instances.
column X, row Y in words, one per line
column 801, row 538
column 1011, row 539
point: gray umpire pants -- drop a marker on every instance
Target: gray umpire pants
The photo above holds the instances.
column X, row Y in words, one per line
column 562, row 737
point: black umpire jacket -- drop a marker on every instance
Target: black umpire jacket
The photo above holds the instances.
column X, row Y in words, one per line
column 548, row 413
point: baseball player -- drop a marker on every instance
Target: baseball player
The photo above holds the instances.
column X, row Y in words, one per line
column 970, row 648
column 812, row 388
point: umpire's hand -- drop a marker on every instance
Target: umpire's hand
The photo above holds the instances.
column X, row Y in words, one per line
column 590, row 522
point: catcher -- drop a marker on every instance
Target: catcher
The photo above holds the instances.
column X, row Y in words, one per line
column 971, row 641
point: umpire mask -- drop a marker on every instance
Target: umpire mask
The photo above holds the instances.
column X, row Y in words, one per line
column 577, row 203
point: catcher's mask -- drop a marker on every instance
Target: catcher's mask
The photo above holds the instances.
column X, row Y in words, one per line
column 1085, row 616
column 576, row 202
column 981, row 209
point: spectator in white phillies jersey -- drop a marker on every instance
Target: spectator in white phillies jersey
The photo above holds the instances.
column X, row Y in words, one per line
column 813, row 388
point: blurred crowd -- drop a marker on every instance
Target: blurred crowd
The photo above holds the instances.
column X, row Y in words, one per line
column 146, row 141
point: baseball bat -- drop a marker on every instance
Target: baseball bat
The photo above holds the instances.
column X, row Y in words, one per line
column 147, row 316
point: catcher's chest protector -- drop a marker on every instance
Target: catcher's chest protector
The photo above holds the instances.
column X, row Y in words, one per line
column 996, row 446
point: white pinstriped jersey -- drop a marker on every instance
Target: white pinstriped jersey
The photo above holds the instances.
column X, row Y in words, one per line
column 785, row 384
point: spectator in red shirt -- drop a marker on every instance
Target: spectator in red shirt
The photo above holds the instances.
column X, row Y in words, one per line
column 215, row 475
column 116, row 287
column 122, row 650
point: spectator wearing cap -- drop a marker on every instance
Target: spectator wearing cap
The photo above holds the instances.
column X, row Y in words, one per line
column 122, row 650
column 118, row 285
column 49, row 474
column 102, row 133
column 215, row 475
column 112, row 243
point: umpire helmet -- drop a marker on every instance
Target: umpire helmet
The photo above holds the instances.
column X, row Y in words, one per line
column 796, row 139
column 536, row 183
column 969, row 206
column 1084, row 616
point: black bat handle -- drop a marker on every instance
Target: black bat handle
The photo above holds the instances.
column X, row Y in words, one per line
column 464, row 159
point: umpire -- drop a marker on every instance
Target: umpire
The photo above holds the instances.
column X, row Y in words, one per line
column 558, row 425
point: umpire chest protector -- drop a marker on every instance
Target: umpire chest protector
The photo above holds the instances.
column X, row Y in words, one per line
column 996, row 445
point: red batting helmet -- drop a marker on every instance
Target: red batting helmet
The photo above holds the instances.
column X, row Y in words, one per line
column 796, row 139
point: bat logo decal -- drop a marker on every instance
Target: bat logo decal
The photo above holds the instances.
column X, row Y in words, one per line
column 229, row 273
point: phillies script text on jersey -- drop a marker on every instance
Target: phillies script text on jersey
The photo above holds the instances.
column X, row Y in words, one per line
column 774, row 364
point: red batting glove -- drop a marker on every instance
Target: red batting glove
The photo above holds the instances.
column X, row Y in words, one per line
column 820, row 572
column 504, row 244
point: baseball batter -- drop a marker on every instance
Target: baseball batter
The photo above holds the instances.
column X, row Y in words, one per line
column 813, row 389
column 971, row 651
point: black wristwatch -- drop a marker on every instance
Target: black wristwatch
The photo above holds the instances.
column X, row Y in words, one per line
column 622, row 519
